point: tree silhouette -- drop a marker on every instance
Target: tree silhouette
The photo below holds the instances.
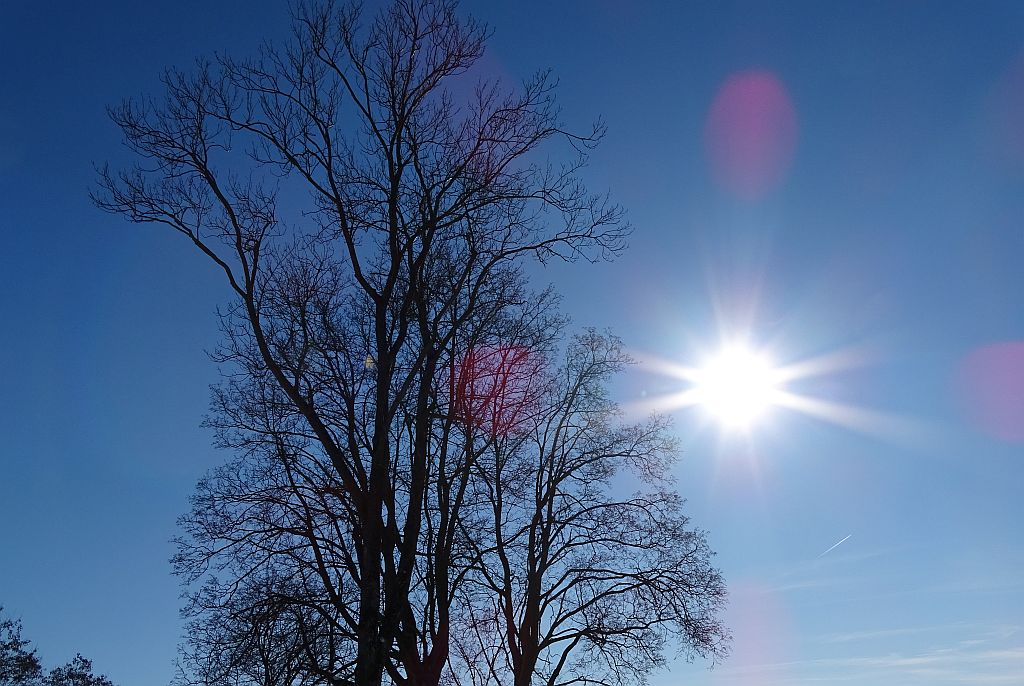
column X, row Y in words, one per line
column 575, row 584
column 78, row 672
column 371, row 203
column 20, row 666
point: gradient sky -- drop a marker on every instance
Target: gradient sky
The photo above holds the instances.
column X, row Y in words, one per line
column 871, row 208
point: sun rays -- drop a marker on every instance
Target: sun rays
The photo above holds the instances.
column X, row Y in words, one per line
column 739, row 386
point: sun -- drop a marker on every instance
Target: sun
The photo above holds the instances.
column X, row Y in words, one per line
column 740, row 384
column 736, row 386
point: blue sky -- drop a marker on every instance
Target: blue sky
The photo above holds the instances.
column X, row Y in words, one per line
column 890, row 231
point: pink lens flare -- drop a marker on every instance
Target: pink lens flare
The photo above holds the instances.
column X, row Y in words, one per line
column 495, row 389
column 751, row 133
column 991, row 382
column 762, row 629
column 1004, row 118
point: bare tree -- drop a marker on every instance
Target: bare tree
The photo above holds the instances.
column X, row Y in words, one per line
column 268, row 634
column 575, row 585
column 373, row 356
column 371, row 228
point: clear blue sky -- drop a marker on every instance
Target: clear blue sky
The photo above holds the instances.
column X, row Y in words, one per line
column 890, row 222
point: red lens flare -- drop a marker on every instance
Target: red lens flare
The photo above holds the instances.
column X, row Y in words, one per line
column 495, row 389
column 751, row 133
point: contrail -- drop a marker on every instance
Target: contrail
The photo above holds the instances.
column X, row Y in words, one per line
column 834, row 547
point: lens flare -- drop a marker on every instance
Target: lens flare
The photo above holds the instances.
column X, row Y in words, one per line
column 495, row 388
column 763, row 636
column 1003, row 133
column 992, row 387
column 751, row 133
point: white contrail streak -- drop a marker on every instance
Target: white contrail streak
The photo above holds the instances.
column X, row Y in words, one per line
column 834, row 546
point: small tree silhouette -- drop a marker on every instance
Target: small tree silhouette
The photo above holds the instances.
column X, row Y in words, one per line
column 20, row 666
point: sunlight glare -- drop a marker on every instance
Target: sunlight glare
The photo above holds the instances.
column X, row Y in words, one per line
column 737, row 386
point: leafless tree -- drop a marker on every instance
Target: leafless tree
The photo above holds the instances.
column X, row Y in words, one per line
column 371, row 203
column 370, row 210
column 576, row 585
column 267, row 634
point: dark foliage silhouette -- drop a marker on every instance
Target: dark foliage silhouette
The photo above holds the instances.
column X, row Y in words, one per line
column 20, row 666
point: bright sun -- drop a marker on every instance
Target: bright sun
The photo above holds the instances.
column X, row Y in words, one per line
column 736, row 386
column 739, row 384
